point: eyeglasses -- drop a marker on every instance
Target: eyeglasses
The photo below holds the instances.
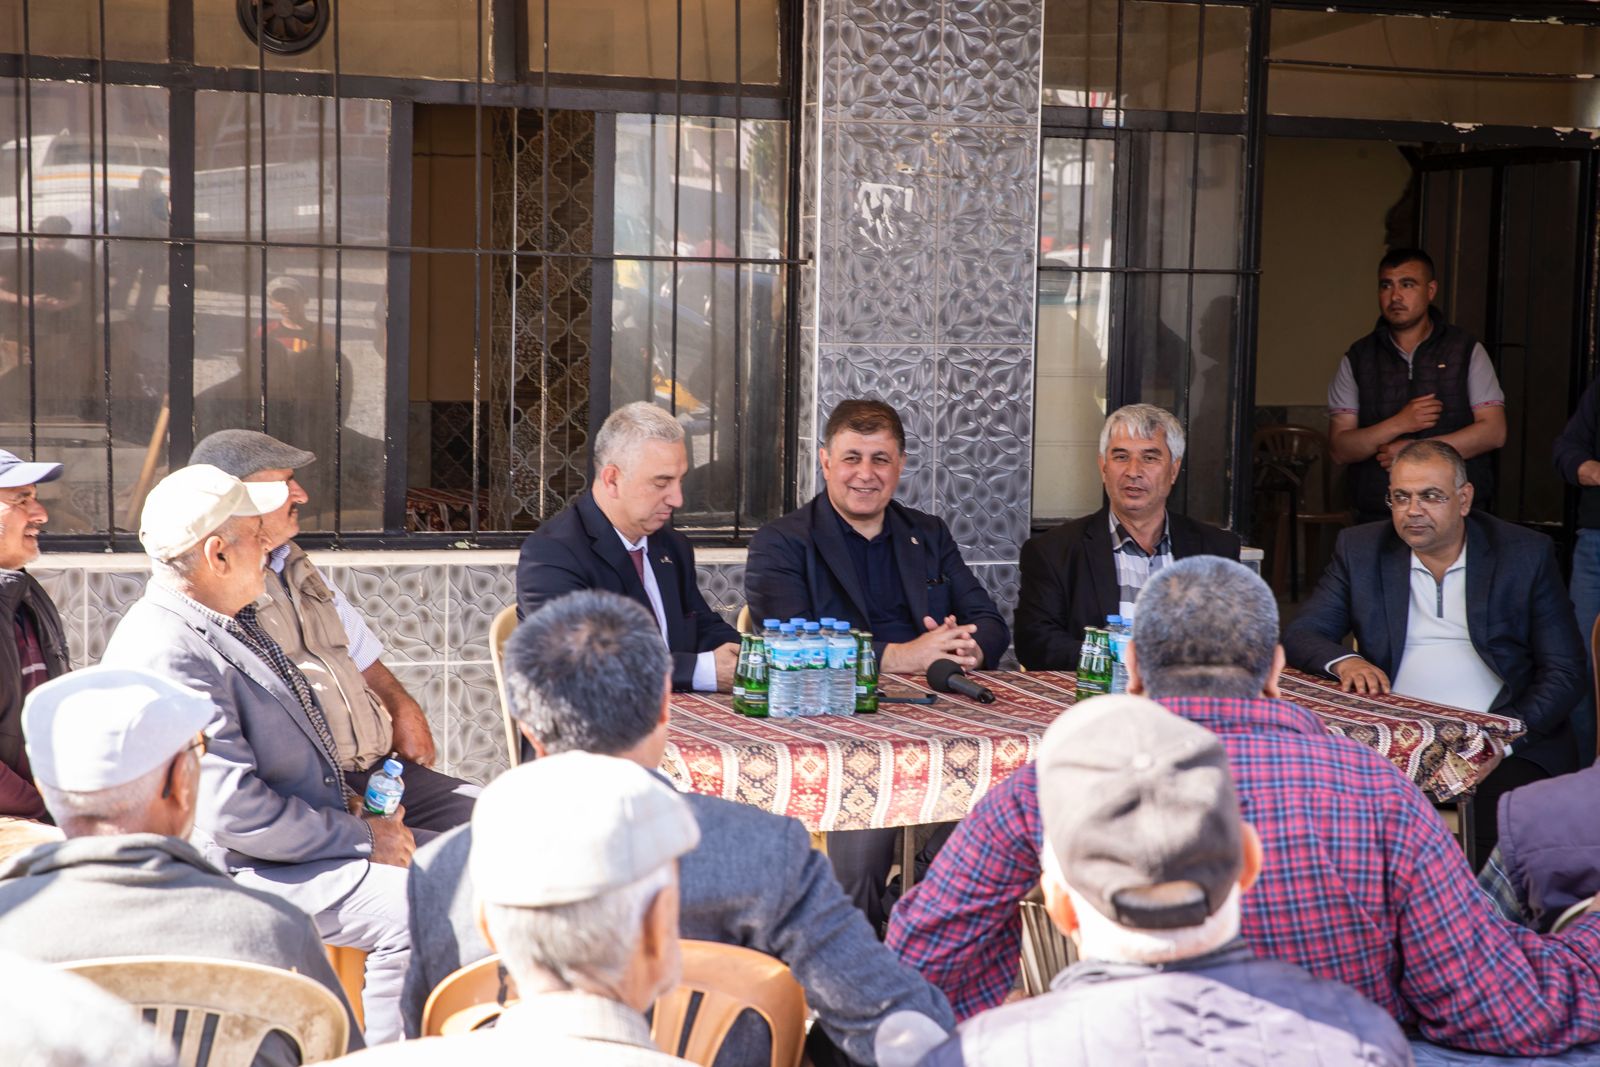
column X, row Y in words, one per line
column 1401, row 498
column 200, row 743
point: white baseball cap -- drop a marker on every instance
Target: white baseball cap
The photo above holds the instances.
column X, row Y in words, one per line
column 572, row 826
column 189, row 504
column 106, row 726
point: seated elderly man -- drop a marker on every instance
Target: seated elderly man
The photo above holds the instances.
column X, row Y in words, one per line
column 582, row 909
column 34, row 650
column 1363, row 884
column 1455, row 606
column 117, row 755
column 275, row 809
column 1145, row 860
column 1548, row 858
column 1086, row 569
column 367, row 709
column 583, row 673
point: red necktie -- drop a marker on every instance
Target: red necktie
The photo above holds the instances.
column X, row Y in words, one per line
column 637, row 555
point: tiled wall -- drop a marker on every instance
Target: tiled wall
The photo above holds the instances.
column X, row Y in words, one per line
column 431, row 610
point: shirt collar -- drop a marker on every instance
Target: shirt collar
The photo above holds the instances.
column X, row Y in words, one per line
column 851, row 531
column 278, row 557
column 1233, row 715
column 227, row 622
column 574, row 1014
column 1459, row 565
column 1122, row 538
column 632, row 546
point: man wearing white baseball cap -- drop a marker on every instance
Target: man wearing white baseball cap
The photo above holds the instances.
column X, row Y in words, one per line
column 582, row 909
column 274, row 810
column 33, row 645
column 116, row 753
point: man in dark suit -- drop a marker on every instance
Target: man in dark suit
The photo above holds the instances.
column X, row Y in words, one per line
column 581, row 675
column 856, row 554
column 615, row 537
column 1453, row 606
column 1080, row 572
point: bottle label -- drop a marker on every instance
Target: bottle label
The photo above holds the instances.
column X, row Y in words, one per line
column 381, row 801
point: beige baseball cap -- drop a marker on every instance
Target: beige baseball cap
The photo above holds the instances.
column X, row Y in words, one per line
column 189, row 504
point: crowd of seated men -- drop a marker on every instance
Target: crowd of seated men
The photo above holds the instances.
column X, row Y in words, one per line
column 1242, row 885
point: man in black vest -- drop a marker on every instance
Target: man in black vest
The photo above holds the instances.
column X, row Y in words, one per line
column 1413, row 376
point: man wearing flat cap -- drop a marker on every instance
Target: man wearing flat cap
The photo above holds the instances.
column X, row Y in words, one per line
column 33, row 646
column 369, row 712
column 116, row 753
column 1145, row 857
column 275, row 809
column 551, row 894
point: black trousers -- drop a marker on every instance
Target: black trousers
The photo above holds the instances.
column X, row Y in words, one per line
column 434, row 802
column 1513, row 773
column 861, row 861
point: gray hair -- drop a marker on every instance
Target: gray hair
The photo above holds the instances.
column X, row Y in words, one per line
column 182, row 567
column 1429, row 448
column 592, row 938
column 587, row 672
column 1143, row 422
column 113, row 810
column 1205, row 627
column 627, row 429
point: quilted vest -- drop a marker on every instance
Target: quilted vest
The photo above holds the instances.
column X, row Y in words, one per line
column 298, row 612
column 1386, row 384
column 1550, row 844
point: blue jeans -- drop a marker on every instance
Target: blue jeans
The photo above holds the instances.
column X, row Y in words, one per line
column 1585, row 592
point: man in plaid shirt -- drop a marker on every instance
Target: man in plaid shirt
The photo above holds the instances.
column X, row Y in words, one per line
column 1362, row 883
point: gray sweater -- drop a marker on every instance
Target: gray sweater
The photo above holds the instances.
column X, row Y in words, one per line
column 147, row 894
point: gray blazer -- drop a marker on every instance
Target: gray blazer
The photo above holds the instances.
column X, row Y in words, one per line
column 271, row 810
column 753, row 881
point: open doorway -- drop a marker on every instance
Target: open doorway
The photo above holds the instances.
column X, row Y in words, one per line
column 1499, row 223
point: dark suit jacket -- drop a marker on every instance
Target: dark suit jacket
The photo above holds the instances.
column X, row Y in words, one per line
column 754, row 880
column 1518, row 616
column 1069, row 581
column 800, row 565
column 579, row 549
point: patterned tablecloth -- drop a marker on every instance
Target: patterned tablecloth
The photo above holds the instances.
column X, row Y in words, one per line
column 912, row 763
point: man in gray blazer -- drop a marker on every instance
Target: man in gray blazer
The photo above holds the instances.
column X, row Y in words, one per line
column 588, row 672
column 274, row 811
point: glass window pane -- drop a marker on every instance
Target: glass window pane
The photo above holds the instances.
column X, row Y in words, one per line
column 1456, row 48
column 1070, row 397
column 638, row 39
column 1172, row 200
column 1077, row 193
column 1161, row 55
column 396, row 38
column 135, row 29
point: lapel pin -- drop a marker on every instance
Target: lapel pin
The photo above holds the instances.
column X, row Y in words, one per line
column 666, row 558
column 914, row 540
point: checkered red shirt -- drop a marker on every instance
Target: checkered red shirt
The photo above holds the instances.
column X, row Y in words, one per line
column 1362, row 885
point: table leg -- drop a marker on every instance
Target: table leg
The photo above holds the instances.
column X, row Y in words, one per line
column 1466, row 829
column 908, row 857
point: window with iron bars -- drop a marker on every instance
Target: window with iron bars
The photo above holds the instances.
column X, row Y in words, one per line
column 434, row 245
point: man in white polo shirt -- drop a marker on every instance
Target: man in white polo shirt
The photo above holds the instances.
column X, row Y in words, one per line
column 1455, row 607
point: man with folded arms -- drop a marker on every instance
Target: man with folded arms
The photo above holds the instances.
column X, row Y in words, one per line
column 33, row 646
column 583, row 911
column 275, row 810
column 117, row 755
column 583, row 674
column 1363, row 883
column 1145, row 859
column 368, row 710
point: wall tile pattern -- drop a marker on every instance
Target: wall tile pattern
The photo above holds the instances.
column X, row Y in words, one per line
column 926, row 156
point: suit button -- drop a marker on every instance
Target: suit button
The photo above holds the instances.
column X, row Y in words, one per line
column 328, row 780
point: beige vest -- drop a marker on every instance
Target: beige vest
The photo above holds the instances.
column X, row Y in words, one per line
column 306, row 626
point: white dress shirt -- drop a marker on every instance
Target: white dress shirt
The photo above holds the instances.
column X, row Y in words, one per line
column 1439, row 663
column 705, row 664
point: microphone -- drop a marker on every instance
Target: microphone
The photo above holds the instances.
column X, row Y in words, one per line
column 946, row 676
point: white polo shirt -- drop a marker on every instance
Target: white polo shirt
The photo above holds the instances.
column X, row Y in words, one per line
column 1439, row 663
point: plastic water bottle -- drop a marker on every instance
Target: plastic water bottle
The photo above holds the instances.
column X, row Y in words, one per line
column 769, row 630
column 384, row 789
column 842, row 670
column 814, row 687
column 1121, row 633
column 827, row 622
column 783, row 674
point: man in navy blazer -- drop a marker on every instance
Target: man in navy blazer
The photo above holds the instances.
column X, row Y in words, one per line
column 853, row 553
column 1455, row 606
column 616, row 537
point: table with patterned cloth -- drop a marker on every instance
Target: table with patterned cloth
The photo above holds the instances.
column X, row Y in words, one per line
column 911, row 764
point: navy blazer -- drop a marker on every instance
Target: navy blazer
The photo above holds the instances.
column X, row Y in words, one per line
column 1069, row 582
column 580, row 549
column 1518, row 616
column 800, row 565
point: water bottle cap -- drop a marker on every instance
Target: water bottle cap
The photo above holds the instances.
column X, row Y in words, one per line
column 769, row 624
column 1113, row 620
column 841, row 627
column 827, row 620
column 812, row 628
column 786, row 628
column 393, row 767
column 797, row 621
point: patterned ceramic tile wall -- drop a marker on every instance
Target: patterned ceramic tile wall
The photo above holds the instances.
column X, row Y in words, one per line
column 926, row 154
column 431, row 610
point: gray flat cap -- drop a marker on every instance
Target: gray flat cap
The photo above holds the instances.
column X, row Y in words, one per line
column 244, row 452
